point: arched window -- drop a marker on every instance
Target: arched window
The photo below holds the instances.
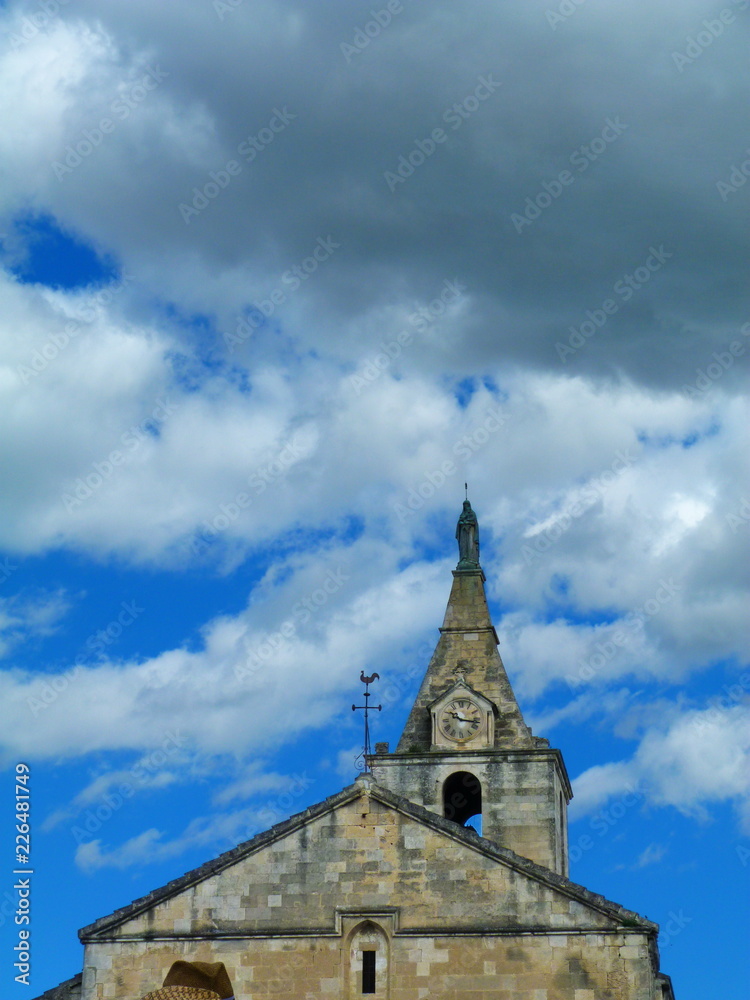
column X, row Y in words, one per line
column 462, row 800
column 368, row 962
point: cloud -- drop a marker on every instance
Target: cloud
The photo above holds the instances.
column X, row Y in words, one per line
column 652, row 855
column 662, row 568
column 395, row 248
column 113, row 787
column 694, row 758
column 287, row 794
column 293, row 653
column 90, row 857
column 255, row 782
column 347, row 760
column 609, row 331
column 28, row 616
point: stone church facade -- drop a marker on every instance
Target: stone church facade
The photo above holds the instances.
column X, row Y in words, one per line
column 382, row 890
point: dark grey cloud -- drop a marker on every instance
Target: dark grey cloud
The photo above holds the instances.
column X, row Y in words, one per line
column 591, row 132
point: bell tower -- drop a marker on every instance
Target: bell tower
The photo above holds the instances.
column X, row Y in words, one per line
column 466, row 751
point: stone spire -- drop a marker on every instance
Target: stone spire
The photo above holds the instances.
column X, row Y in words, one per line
column 467, row 648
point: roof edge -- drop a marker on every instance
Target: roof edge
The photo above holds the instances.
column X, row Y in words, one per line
column 472, row 839
column 64, row 989
column 217, row 864
column 365, row 785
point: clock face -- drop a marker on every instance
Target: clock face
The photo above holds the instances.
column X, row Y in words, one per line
column 460, row 720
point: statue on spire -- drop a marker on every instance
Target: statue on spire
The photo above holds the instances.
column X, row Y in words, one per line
column 467, row 534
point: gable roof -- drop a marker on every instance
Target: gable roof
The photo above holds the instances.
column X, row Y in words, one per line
column 365, row 786
column 70, row 989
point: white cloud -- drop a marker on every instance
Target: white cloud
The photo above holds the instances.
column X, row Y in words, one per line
column 91, row 858
column 693, row 759
column 113, row 788
column 277, row 797
column 347, row 761
column 340, row 611
column 256, row 782
column 317, row 452
column 651, row 855
column 28, row 616
column 607, row 485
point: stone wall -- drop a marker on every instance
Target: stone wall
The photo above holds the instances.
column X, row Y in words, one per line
column 515, row 967
column 524, row 797
column 365, row 854
column 450, row 918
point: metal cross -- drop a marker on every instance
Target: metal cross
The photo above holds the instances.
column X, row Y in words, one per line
column 366, row 708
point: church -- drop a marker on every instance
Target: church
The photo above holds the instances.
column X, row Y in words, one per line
column 386, row 889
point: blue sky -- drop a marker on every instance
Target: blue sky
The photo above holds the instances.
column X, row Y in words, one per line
column 271, row 295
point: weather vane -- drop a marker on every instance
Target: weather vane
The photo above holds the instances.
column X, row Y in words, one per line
column 366, row 708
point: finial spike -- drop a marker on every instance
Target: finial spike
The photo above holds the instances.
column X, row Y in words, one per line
column 466, row 488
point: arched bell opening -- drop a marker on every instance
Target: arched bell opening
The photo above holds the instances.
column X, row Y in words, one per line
column 462, row 800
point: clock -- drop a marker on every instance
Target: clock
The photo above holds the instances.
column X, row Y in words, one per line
column 460, row 720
